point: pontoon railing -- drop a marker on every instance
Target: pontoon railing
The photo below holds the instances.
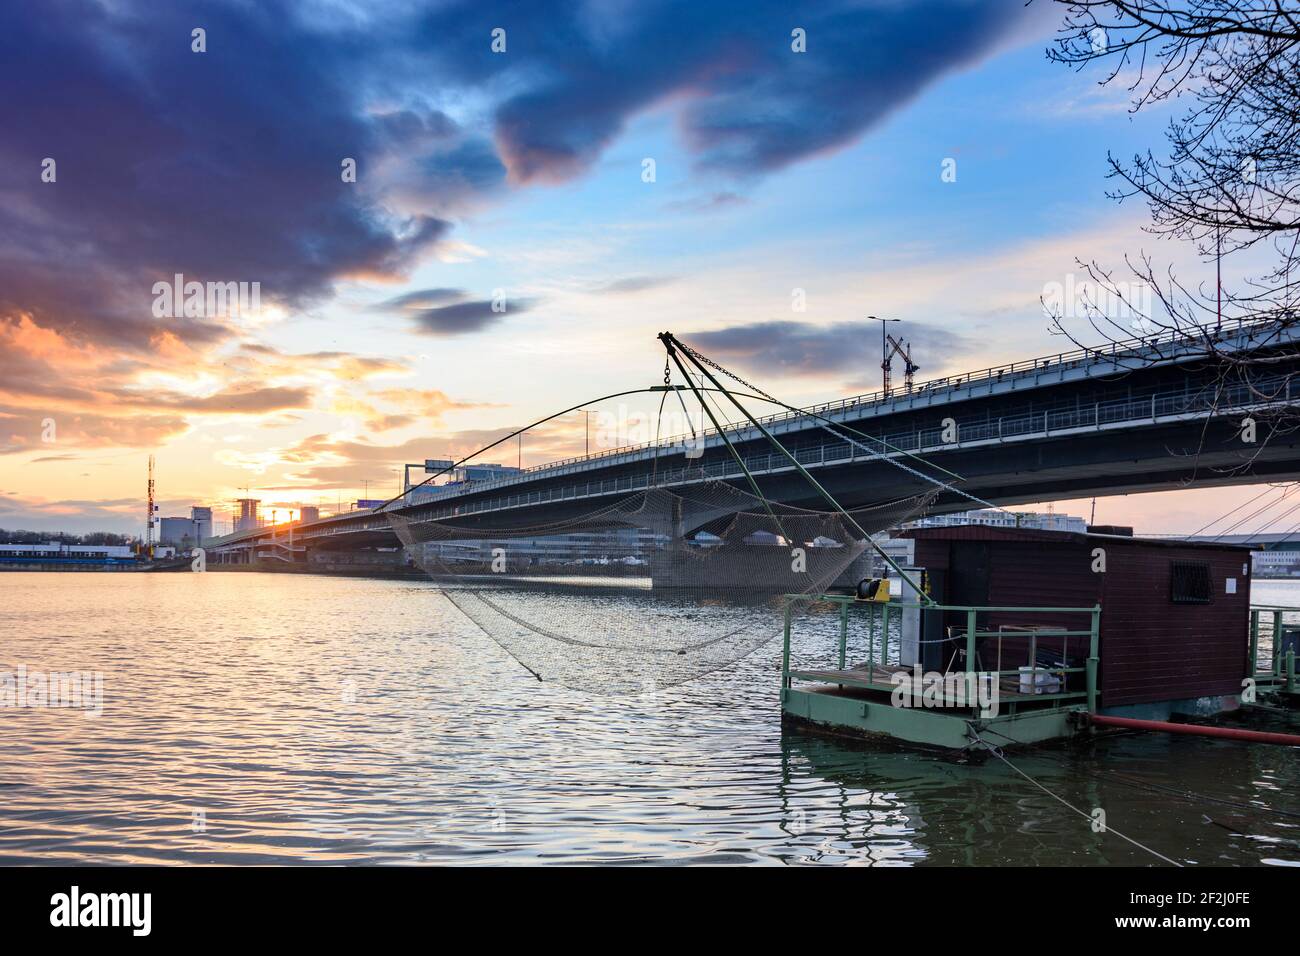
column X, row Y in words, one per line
column 880, row 614
column 1270, row 665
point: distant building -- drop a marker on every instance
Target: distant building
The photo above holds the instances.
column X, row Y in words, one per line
column 247, row 519
column 996, row 518
column 459, row 479
column 625, row 546
column 188, row 532
column 310, row 513
column 178, row 532
column 202, row 518
column 174, row 531
column 1275, row 564
column 57, row 552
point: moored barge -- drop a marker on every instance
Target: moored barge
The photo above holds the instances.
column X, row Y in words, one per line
column 1025, row 636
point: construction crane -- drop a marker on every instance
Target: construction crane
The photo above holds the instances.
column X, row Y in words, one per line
column 892, row 348
column 148, row 524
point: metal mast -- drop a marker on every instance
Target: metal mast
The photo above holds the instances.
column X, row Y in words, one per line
column 148, row 523
column 675, row 348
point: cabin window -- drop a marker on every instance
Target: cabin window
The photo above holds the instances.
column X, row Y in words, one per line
column 1190, row 582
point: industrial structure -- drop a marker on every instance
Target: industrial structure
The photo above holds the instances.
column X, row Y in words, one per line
column 151, row 509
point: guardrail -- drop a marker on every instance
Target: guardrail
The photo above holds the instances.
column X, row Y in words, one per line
column 1267, row 625
column 924, row 440
column 968, row 639
column 1142, row 349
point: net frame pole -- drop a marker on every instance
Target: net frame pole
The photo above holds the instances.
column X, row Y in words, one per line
column 673, row 346
column 753, row 484
column 542, row 421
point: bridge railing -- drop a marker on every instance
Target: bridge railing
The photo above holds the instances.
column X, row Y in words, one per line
column 1146, row 349
column 1116, row 352
column 916, row 441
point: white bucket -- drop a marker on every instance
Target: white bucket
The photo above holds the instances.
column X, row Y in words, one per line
column 1038, row 681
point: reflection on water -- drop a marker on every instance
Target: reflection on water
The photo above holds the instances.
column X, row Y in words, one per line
column 262, row 718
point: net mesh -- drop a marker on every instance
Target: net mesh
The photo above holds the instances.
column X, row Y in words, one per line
column 655, row 589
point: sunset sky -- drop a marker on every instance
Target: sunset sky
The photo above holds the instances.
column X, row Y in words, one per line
column 519, row 171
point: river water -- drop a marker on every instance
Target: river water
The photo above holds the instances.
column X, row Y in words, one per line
column 260, row 718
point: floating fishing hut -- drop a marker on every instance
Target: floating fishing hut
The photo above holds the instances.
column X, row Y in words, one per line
column 1024, row 636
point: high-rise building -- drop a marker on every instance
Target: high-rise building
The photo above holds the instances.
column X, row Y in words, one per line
column 247, row 519
column 202, row 518
column 309, row 513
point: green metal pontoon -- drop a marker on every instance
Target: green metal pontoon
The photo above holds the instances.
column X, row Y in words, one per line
column 864, row 699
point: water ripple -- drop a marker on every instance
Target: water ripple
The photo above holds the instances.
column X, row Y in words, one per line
column 275, row 719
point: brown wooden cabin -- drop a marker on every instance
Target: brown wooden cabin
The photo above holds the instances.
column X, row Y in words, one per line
column 1174, row 615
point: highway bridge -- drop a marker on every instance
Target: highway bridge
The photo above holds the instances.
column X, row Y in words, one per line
column 1146, row 415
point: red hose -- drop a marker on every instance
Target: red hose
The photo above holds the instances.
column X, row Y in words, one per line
column 1199, row 730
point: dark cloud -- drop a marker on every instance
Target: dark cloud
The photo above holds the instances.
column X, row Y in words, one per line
column 71, row 515
column 801, row 348
column 445, row 312
column 221, row 166
column 463, row 317
column 420, row 299
column 242, row 401
column 411, row 128
column 22, row 429
column 385, row 423
column 748, row 102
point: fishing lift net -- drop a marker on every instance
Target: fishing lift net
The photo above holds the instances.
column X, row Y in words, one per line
column 652, row 590
column 661, row 585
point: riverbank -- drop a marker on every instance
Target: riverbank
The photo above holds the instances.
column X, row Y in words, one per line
column 179, row 564
column 377, row 572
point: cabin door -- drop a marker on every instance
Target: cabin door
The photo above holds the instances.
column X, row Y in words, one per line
column 968, row 586
column 968, row 574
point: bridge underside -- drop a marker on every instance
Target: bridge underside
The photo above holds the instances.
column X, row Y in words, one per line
column 1077, row 465
column 1160, row 458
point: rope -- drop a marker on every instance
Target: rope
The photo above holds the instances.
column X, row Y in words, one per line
column 489, row 634
column 1191, row 796
column 997, row 752
column 830, row 427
